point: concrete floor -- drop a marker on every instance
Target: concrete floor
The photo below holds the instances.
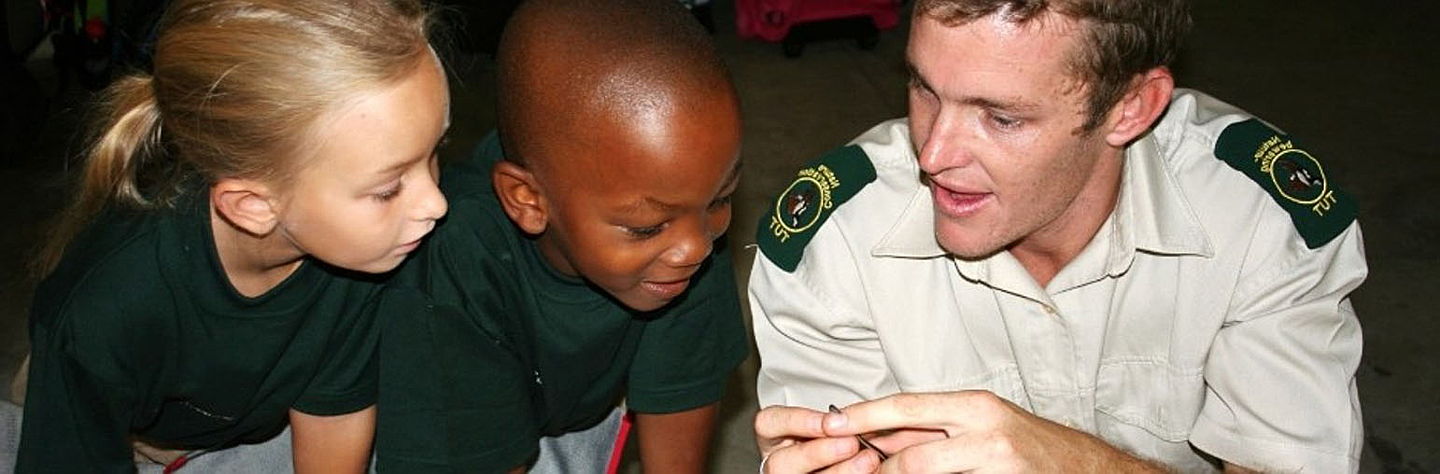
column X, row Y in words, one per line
column 1353, row 82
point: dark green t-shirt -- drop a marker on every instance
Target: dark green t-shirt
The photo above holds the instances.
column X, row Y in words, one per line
column 138, row 332
column 488, row 348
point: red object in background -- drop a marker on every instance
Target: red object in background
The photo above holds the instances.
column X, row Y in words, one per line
column 770, row 20
column 95, row 29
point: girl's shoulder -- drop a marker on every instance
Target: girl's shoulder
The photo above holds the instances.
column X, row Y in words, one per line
column 124, row 264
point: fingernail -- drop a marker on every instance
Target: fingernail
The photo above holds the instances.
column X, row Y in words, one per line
column 835, row 421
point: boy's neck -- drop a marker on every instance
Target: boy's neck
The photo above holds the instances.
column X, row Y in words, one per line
column 552, row 255
column 253, row 264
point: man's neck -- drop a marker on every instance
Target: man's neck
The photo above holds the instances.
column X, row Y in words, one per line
column 253, row 264
column 1048, row 250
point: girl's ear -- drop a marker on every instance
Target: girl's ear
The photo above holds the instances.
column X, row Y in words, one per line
column 521, row 197
column 248, row 205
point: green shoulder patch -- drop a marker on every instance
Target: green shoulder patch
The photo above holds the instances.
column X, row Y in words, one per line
column 802, row 208
column 1294, row 178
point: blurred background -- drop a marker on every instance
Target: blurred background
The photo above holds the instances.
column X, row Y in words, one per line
column 1354, row 81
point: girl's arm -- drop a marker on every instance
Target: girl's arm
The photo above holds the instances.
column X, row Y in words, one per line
column 332, row 444
column 676, row 442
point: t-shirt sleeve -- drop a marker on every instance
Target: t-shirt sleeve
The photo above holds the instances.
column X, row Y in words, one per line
column 345, row 381
column 686, row 354
column 80, row 396
column 452, row 398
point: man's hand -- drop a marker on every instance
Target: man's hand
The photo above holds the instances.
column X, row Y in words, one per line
column 791, row 440
column 982, row 433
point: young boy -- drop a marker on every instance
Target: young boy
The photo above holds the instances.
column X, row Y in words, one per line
column 579, row 264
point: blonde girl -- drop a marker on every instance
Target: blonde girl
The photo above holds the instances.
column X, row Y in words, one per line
column 211, row 283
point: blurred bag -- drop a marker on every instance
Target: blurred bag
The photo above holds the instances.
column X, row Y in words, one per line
column 771, row 20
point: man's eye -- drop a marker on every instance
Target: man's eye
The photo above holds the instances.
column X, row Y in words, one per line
column 1004, row 122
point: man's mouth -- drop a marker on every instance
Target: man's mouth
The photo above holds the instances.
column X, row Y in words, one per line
column 958, row 202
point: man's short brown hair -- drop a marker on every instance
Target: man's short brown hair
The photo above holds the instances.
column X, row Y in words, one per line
column 1124, row 38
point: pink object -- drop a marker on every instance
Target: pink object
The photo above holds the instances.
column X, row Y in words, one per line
column 619, row 449
column 770, row 20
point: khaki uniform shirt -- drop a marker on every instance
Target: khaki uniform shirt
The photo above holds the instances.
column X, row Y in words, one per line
column 1206, row 311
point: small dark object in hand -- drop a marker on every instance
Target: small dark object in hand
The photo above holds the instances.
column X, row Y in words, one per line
column 861, row 439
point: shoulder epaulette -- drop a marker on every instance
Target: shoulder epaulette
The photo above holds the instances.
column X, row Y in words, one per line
column 798, row 212
column 1294, row 178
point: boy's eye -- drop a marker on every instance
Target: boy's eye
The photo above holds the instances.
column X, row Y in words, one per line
column 644, row 232
column 722, row 201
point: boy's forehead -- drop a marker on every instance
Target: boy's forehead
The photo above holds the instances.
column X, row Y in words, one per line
column 695, row 148
column 647, row 126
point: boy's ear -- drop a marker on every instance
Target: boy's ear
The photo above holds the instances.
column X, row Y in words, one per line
column 247, row 204
column 520, row 196
column 1141, row 106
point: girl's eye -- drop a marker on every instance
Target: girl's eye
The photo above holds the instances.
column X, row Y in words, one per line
column 388, row 194
column 644, row 232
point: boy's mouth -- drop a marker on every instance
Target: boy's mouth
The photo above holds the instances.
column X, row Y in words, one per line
column 666, row 290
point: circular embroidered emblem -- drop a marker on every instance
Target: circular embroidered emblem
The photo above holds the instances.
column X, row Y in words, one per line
column 1298, row 176
column 799, row 206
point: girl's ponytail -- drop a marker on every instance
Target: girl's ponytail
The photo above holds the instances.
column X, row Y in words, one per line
column 129, row 136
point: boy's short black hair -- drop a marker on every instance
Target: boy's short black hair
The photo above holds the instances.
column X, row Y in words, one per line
column 563, row 63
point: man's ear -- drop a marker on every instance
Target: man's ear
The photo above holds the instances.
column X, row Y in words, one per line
column 247, row 204
column 1141, row 106
column 521, row 197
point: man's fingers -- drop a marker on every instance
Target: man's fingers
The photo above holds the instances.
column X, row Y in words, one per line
column 894, row 441
column 949, row 411
column 863, row 462
column 810, row 456
column 778, row 422
column 959, row 454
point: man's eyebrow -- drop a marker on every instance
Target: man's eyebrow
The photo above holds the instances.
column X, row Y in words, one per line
column 1011, row 105
column 1014, row 105
column 915, row 75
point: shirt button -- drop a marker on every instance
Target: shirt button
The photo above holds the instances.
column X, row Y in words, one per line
column 1048, row 309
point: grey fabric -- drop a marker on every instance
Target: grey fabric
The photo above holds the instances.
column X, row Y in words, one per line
column 9, row 435
column 580, row 452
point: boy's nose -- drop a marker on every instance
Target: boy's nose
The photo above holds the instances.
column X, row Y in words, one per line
column 691, row 250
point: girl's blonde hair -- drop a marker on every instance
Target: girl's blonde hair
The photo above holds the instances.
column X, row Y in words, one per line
column 236, row 90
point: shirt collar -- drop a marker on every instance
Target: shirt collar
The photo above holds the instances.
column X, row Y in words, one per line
column 912, row 235
column 1150, row 215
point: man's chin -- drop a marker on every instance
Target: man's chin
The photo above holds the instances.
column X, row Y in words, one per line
column 967, row 249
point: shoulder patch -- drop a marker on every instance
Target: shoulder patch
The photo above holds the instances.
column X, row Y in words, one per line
column 1294, row 178
column 803, row 207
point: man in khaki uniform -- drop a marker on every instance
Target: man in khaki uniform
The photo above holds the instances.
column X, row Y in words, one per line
column 1061, row 263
